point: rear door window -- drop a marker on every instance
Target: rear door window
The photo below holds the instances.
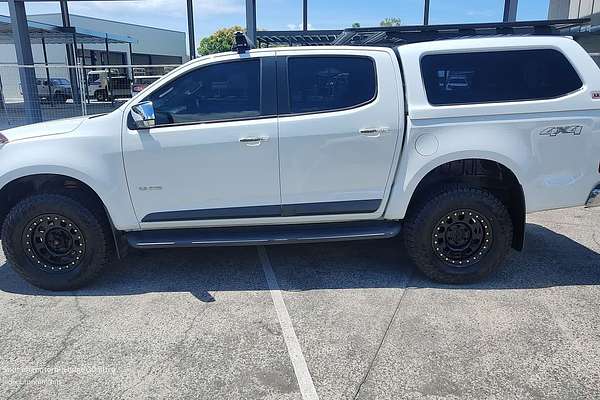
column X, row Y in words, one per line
column 499, row 76
column 329, row 83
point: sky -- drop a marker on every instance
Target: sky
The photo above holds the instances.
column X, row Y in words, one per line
column 211, row 15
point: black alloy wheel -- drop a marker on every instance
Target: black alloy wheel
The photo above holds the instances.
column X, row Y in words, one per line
column 462, row 237
column 54, row 243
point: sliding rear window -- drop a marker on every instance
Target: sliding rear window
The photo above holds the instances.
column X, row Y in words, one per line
column 498, row 76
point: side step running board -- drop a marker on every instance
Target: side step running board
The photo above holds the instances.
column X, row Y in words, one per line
column 263, row 235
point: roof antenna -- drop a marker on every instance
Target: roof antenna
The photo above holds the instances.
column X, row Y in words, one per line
column 242, row 43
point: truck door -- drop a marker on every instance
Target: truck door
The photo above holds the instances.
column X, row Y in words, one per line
column 340, row 117
column 213, row 154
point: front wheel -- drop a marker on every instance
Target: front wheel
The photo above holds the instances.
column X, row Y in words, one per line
column 54, row 242
column 459, row 236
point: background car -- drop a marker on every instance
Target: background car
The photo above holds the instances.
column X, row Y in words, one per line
column 56, row 90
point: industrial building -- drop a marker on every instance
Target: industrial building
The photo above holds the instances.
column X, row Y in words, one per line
column 150, row 46
column 562, row 9
column 128, row 44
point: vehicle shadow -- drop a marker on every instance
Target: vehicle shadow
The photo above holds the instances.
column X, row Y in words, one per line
column 550, row 259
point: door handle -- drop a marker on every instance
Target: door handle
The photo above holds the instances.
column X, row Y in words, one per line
column 254, row 141
column 373, row 132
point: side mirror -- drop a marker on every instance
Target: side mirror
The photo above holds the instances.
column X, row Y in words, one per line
column 143, row 115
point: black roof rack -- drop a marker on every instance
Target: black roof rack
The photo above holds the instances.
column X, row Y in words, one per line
column 297, row 38
column 399, row 35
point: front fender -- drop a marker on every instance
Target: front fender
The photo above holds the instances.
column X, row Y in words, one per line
column 92, row 158
column 116, row 204
column 31, row 170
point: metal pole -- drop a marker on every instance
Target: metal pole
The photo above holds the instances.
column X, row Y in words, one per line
column 81, row 82
column 66, row 21
column 251, row 20
column 77, row 98
column 85, row 81
column 2, row 105
column 50, row 93
column 75, row 48
column 46, row 61
column 108, row 87
column 20, row 29
column 131, row 71
column 510, row 10
column 191, row 33
column 305, row 15
column 426, row 13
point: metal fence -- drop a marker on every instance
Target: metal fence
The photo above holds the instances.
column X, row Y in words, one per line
column 69, row 91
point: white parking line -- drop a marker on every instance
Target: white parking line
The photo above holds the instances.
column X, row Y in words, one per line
column 305, row 382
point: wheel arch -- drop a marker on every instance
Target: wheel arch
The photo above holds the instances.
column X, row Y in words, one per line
column 406, row 192
column 20, row 187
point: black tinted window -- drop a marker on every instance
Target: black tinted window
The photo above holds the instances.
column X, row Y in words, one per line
column 330, row 83
column 497, row 76
column 212, row 93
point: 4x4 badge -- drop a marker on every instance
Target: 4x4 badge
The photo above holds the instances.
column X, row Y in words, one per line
column 574, row 130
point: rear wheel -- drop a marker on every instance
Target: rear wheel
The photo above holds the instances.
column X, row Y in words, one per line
column 55, row 242
column 459, row 236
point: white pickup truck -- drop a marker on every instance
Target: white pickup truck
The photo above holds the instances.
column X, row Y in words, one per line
column 451, row 142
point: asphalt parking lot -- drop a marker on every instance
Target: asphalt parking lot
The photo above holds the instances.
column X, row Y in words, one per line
column 350, row 320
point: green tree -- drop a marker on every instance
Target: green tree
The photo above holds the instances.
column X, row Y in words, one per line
column 356, row 25
column 391, row 22
column 219, row 42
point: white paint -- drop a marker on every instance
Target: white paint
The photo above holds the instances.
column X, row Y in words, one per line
column 305, row 382
column 323, row 157
column 505, row 132
column 326, row 157
column 89, row 150
column 203, row 165
column 47, row 128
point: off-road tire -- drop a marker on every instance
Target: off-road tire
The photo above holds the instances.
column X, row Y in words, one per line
column 423, row 221
column 91, row 224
